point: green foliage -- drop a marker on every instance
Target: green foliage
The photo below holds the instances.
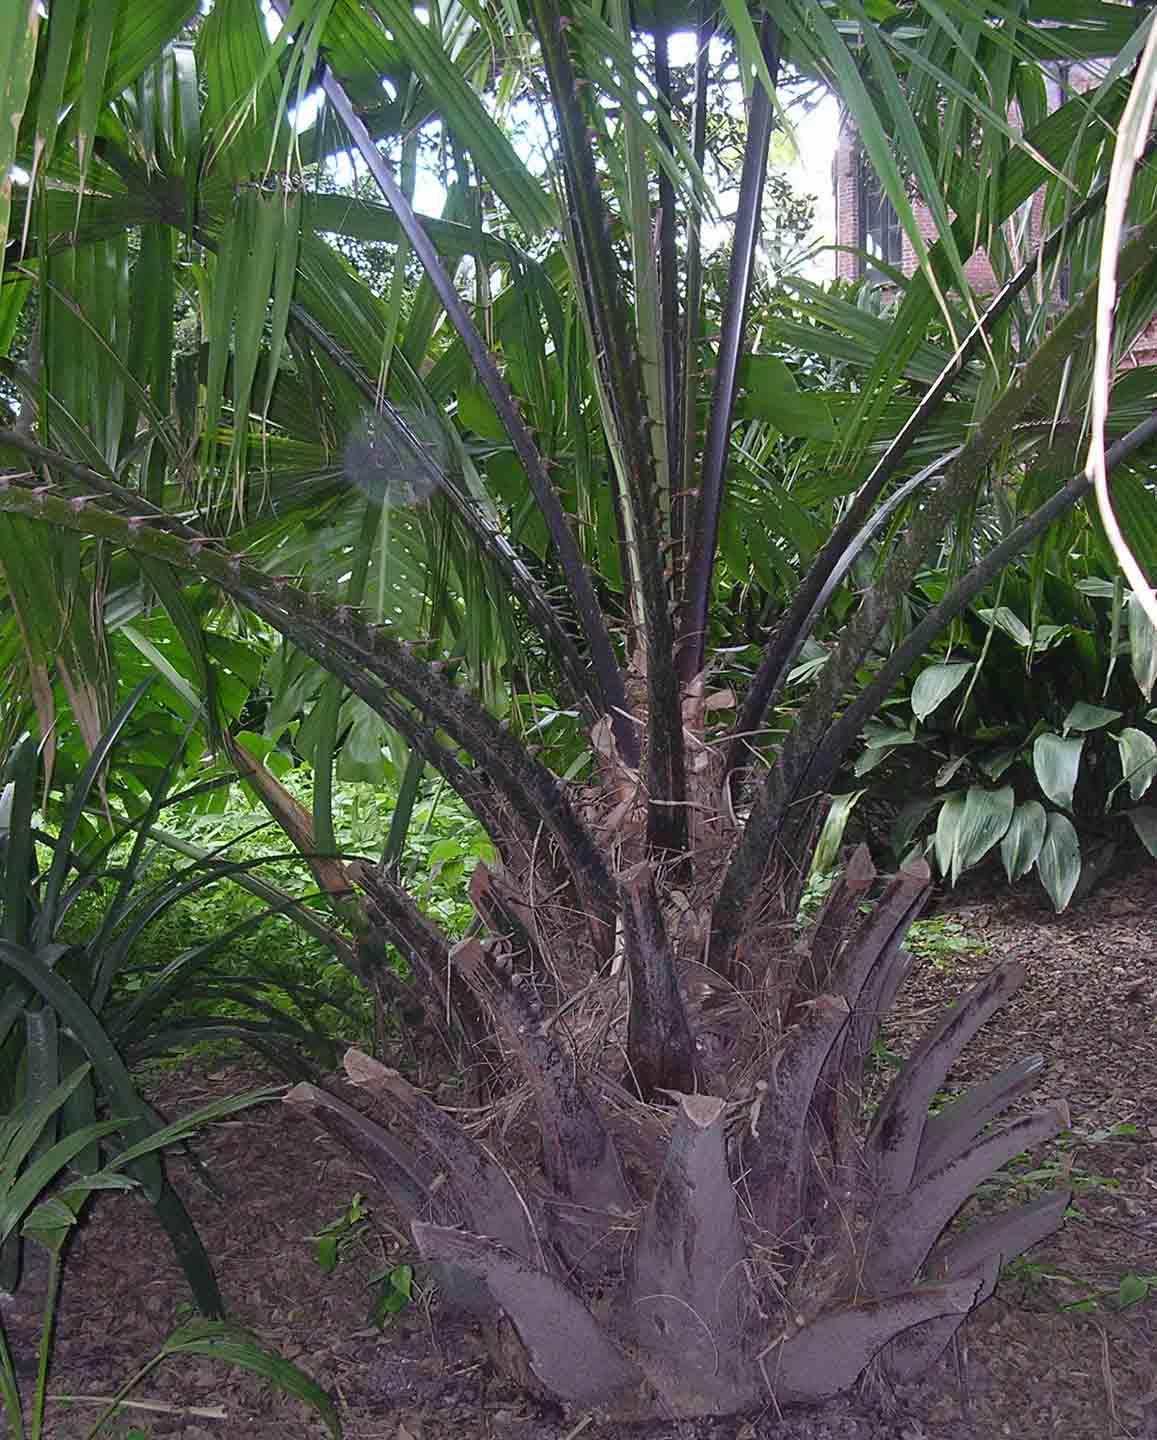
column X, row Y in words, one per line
column 270, row 959
column 1005, row 748
column 1030, row 1178
column 393, row 1287
column 44, row 1188
column 395, row 1294
column 230, row 1345
column 1033, row 1174
column 100, row 904
column 512, row 474
column 1132, row 1289
column 221, row 965
column 54, row 995
column 333, row 1240
column 940, row 940
column 71, row 974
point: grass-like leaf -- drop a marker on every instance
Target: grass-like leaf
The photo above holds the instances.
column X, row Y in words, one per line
column 234, row 1346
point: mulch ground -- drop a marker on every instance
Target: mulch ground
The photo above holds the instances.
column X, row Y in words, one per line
column 1054, row 1353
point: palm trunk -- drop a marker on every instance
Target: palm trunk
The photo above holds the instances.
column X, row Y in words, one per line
column 674, row 1254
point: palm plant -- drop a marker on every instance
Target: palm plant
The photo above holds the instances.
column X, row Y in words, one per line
column 670, row 1193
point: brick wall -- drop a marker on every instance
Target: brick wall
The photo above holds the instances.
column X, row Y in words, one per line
column 849, row 264
column 978, row 269
column 847, row 216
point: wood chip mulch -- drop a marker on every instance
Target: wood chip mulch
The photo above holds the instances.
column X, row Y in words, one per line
column 1054, row 1354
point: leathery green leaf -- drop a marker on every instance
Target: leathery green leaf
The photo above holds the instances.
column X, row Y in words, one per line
column 1083, row 717
column 934, row 685
column 983, row 821
column 770, row 393
column 1144, row 822
column 947, row 829
column 1142, row 647
column 1138, row 760
column 1057, row 763
column 1059, row 861
column 831, row 836
column 1023, row 839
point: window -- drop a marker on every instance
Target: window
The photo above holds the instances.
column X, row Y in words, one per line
column 880, row 235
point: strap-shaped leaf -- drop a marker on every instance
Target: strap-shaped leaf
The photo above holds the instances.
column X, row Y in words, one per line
column 136, row 1120
column 466, row 117
column 18, row 844
column 221, row 1341
column 62, row 858
column 55, row 71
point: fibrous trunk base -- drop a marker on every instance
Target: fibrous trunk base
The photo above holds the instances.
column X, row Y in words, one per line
column 707, row 1254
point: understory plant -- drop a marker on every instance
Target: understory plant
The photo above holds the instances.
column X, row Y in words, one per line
column 72, row 996
column 995, row 745
column 73, row 1121
column 44, row 1189
column 52, row 999
column 640, row 1155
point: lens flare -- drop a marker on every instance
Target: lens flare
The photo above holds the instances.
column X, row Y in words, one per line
column 395, row 459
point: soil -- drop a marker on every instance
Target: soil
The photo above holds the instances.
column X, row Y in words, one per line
column 1055, row 1352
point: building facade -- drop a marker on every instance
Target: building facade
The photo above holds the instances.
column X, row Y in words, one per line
column 872, row 243
column 867, row 227
column 868, row 230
